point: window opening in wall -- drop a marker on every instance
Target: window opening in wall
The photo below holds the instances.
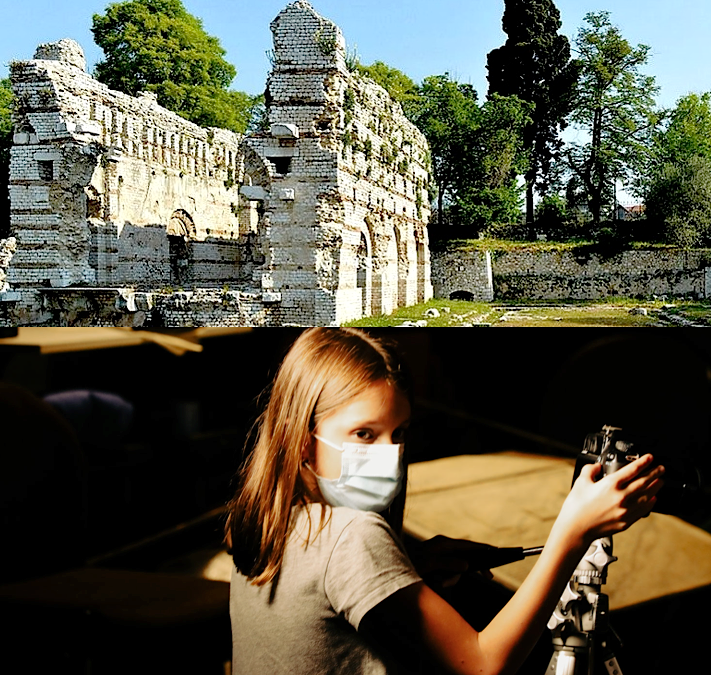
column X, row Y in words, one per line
column 46, row 169
column 93, row 203
column 282, row 165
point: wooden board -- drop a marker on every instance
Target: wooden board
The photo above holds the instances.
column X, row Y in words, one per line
column 512, row 499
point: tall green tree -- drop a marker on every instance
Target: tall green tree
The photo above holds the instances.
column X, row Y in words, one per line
column 535, row 65
column 615, row 106
column 476, row 150
column 679, row 199
column 678, row 182
column 489, row 191
column 687, row 132
column 6, row 130
column 448, row 115
column 158, row 46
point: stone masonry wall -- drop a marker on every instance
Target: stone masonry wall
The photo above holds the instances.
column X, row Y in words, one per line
column 466, row 275
column 348, row 205
column 318, row 220
column 551, row 275
column 101, row 181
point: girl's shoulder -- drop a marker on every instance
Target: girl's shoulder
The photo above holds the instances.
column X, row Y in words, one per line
column 333, row 521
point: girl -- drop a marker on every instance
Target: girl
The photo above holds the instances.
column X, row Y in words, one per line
column 322, row 583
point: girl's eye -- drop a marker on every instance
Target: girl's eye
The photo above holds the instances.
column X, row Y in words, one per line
column 399, row 435
column 364, row 434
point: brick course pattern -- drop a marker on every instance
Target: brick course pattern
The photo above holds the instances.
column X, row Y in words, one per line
column 551, row 275
column 318, row 220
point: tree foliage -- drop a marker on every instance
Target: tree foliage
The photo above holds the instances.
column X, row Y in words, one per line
column 679, row 199
column 400, row 87
column 552, row 216
column 678, row 180
column 490, row 191
column 615, row 107
column 535, row 65
column 688, row 130
column 446, row 114
column 156, row 45
column 476, row 150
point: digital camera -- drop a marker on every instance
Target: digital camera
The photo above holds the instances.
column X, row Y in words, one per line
column 683, row 482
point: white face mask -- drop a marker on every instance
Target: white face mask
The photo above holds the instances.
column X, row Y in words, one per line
column 371, row 476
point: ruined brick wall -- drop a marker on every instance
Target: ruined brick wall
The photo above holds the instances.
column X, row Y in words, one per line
column 348, row 205
column 318, row 220
column 103, row 185
column 550, row 275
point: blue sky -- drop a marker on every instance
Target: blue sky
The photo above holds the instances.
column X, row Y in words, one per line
column 421, row 38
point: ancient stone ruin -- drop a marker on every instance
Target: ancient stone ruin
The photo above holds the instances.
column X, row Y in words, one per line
column 123, row 213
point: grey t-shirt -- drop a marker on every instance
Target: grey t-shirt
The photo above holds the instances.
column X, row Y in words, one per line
column 307, row 623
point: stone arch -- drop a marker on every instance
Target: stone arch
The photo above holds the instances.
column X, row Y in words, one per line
column 364, row 271
column 389, row 269
column 402, row 268
column 181, row 231
column 375, row 275
column 257, row 171
column 182, row 225
column 462, row 295
column 94, row 203
column 421, row 266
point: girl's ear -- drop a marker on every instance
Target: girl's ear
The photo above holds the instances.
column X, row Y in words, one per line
column 308, row 451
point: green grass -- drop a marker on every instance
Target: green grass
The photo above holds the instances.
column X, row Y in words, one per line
column 507, row 245
column 699, row 312
column 452, row 313
column 517, row 245
column 611, row 312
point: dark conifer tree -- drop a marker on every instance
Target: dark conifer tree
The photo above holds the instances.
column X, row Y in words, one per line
column 535, row 65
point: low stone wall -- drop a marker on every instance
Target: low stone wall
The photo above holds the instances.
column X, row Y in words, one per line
column 107, row 307
column 466, row 275
column 572, row 275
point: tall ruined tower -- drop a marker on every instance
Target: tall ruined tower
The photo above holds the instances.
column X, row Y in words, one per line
column 348, row 206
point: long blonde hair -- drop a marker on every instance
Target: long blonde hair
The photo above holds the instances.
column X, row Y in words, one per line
column 323, row 370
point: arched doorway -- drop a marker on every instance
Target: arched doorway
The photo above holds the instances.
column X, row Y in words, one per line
column 421, row 268
column 180, row 231
column 364, row 274
column 402, row 269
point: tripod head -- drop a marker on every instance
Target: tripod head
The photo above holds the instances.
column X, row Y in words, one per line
column 580, row 625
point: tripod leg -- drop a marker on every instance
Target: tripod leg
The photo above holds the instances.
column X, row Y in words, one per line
column 612, row 667
column 562, row 663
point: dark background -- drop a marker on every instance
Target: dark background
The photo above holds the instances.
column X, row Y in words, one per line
column 477, row 391
column 192, row 413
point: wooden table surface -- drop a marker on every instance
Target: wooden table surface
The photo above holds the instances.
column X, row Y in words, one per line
column 512, row 499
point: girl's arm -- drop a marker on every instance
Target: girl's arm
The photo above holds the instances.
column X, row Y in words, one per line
column 591, row 510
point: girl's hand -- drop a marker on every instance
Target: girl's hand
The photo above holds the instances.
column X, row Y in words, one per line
column 599, row 506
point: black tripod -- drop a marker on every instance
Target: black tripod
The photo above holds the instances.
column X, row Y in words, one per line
column 583, row 641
